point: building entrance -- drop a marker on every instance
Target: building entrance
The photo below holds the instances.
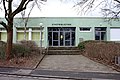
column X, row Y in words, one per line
column 61, row 36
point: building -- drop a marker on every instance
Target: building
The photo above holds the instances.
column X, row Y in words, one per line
column 64, row 31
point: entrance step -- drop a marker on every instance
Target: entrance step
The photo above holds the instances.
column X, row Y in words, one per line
column 63, row 51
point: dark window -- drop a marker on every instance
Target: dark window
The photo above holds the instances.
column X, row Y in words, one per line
column 100, row 33
column 85, row 28
column 100, row 29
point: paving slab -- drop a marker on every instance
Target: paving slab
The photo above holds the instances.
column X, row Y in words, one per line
column 22, row 72
column 73, row 63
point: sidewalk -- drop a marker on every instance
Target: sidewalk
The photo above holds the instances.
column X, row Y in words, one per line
column 60, row 74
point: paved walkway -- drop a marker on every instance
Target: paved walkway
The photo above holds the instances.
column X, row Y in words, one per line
column 73, row 63
column 63, row 67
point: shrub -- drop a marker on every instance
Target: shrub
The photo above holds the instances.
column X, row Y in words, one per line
column 30, row 44
column 102, row 51
column 20, row 50
column 81, row 46
column 24, row 48
column 2, row 49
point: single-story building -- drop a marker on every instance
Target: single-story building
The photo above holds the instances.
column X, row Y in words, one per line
column 64, row 31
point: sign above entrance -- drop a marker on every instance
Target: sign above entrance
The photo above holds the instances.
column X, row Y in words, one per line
column 62, row 24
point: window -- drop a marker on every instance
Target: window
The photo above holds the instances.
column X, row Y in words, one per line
column 85, row 29
column 3, row 34
column 21, row 34
column 100, row 33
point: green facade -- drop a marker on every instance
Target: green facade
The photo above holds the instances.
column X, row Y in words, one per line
column 61, row 22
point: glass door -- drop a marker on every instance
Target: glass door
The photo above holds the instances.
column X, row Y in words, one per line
column 55, row 38
column 61, row 36
column 67, row 38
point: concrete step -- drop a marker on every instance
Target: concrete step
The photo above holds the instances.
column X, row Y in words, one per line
column 63, row 48
column 63, row 51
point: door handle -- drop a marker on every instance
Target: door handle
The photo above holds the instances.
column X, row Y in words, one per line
column 61, row 36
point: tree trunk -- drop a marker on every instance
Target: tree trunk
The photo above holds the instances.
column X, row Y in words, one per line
column 9, row 43
column 9, row 39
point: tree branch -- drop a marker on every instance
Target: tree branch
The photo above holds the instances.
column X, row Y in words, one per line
column 0, row 1
column 6, row 13
column 118, row 12
column 9, row 7
column 3, row 24
column 21, row 7
column 38, row 4
column 29, row 14
column 117, row 1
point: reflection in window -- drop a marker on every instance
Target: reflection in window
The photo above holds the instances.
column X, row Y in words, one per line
column 100, row 33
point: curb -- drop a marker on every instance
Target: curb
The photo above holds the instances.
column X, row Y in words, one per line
column 39, row 62
column 44, row 76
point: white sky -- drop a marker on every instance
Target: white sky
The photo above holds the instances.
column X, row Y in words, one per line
column 55, row 8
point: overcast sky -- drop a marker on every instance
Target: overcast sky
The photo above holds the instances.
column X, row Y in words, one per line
column 56, row 8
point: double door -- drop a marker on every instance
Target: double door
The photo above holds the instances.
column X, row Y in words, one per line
column 62, row 37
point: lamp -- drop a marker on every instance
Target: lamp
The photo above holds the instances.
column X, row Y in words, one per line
column 41, row 28
column 41, row 24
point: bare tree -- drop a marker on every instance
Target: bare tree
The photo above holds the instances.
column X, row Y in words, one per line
column 10, row 13
column 25, row 20
column 110, row 8
column 25, row 17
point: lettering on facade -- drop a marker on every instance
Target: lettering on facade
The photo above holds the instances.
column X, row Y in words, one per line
column 62, row 24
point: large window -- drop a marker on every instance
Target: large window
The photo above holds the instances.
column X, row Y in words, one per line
column 100, row 33
column 21, row 34
column 3, row 34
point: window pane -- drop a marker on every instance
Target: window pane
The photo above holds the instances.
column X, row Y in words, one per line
column 67, row 35
column 55, row 29
column 85, row 28
column 97, row 35
column 55, row 35
column 103, row 36
column 100, row 29
column 50, row 38
column 36, row 36
column 55, row 43
column 100, row 33
column 73, row 38
column 67, row 43
column 3, row 36
column 20, row 36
